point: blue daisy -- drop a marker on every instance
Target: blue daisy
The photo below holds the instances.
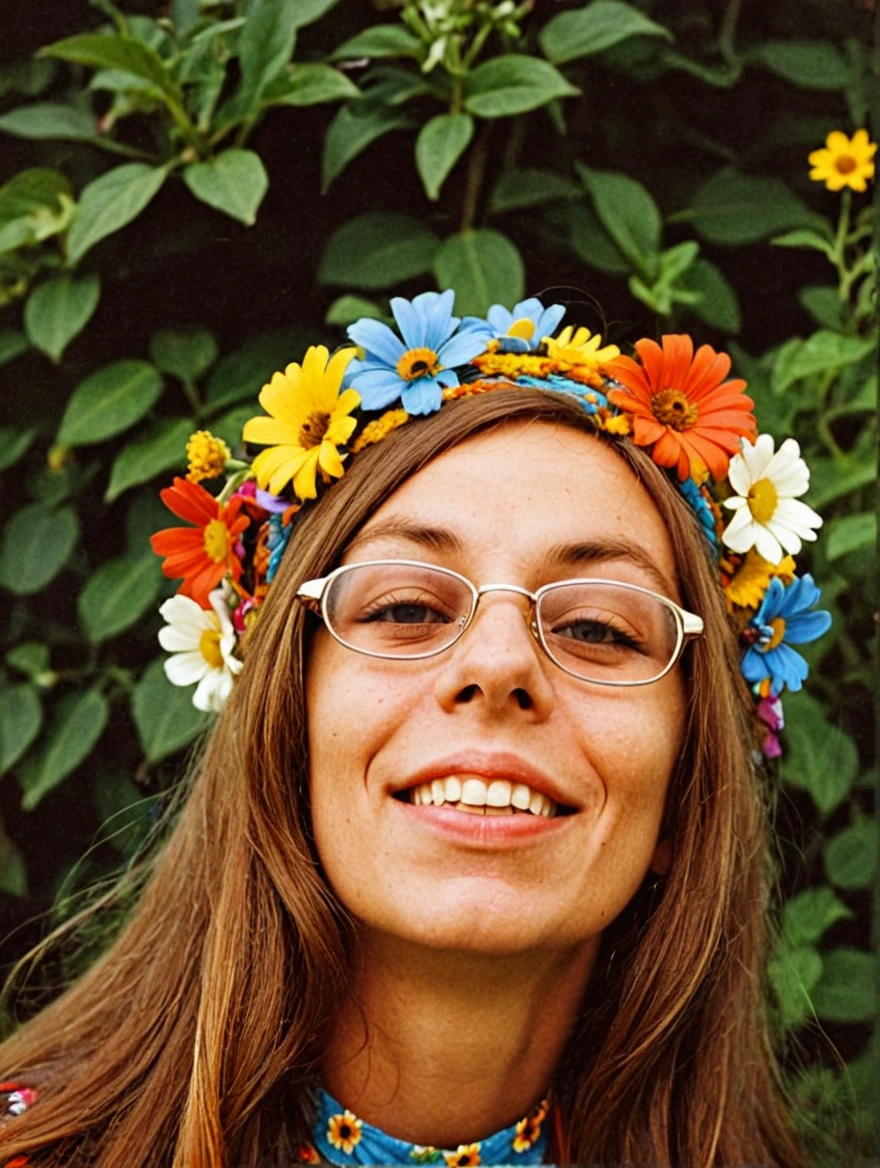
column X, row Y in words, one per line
column 694, row 498
column 518, row 331
column 417, row 368
column 784, row 619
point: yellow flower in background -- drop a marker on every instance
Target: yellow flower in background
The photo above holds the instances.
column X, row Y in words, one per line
column 579, row 347
column 844, row 162
column 309, row 420
column 206, row 456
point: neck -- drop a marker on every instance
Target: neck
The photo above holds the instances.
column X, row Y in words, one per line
column 445, row 1048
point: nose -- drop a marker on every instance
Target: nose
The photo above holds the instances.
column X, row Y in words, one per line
column 497, row 664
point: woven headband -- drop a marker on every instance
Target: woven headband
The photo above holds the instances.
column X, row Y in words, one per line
column 679, row 405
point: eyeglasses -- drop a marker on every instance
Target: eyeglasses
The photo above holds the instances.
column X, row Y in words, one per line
column 601, row 631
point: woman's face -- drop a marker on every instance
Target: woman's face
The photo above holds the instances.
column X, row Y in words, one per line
column 526, row 504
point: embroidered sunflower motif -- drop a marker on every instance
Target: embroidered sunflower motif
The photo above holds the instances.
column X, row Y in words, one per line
column 464, row 1156
column 344, row 1131
column 528, row 1132
column 308, row 1154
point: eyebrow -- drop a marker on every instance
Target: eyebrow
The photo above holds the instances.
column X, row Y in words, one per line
column 442, row 539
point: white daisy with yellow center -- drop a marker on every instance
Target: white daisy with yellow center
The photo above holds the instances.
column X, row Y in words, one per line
column 769, row 516
column 201, row 642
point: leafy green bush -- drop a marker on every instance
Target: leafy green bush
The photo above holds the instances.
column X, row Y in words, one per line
column 200, row 192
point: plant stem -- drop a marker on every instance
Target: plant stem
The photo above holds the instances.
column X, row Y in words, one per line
column 727, row 33
column 839, row 249
column 474, row 181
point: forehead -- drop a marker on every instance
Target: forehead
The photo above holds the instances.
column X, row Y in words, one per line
column 531, row 497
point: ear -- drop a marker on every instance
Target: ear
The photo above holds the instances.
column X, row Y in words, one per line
column 661, row 861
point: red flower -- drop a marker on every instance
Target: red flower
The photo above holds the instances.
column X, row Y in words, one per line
column 682, row 407
column 201, row 555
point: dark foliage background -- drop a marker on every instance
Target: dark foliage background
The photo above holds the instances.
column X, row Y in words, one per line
column 644, row 163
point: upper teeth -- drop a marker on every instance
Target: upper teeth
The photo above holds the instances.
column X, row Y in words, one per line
column 477, row 793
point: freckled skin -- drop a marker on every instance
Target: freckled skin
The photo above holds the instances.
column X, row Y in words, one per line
column 509, row 496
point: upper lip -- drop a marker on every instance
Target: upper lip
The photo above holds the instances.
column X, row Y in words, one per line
column 489, row 765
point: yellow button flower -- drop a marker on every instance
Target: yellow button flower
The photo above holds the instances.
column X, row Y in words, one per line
column 206, row 456
column 309, row 421
column 844, row 162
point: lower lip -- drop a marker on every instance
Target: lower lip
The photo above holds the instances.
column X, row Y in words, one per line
column 484, row 830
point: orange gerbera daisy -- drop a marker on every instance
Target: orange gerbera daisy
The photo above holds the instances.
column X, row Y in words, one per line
column 682, row 407
column 203, row 554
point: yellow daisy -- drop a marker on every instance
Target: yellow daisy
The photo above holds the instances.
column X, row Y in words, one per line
column 844, row 162
column 344, row 1131
column 309, row 420
column 206, row 455
column 752, row 579
column 579, row 347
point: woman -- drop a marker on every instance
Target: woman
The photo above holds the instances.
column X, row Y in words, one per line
column 474, row 867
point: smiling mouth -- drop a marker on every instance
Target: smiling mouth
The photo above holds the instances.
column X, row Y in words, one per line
column 477, row 796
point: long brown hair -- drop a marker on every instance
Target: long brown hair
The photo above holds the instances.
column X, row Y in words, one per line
column 195, row 1039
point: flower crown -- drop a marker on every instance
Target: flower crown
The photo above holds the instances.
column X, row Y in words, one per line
column 675, row 403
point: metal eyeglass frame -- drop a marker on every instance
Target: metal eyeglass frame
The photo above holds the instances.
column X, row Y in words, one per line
column 314, row 593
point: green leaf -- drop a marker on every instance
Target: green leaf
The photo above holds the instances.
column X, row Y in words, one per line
column 737, row 208
column 165, row 718
column 159, row 448
column 34, row 205
column 483, row 267
column 847, row 991
column 823, row 303
column 230, row 425
column 233, row 182
column 346, row 309
column 810, row 64
column 629, row 214
column 832, row 479
column 77, row 723
column 529, row 187
column 793, row 973
column 108, row 401
column 849, row 533
column 308, row 11
column 310, row 84
column 353, row 129
column 593, row 29
column 126, row 815
column 440, row 144
column 851, row 855
column 820, row 758
column 13, row 872
column 382, row 40
column 30, row 657
column 809, row 914
column 35, row 546
column 589, row 240
column 117, row 595
column 243, row 374
column 107, row 51
column 824, row 350
column 50, row 119
column 377, row 250
column 12, row 345
column 185, row 354
column 264, row 49
column 14, row 443
column 513, row 84
column 58, row 310
column 21, row 716
column 802, row 237
column 110, row 202
column 718, row 305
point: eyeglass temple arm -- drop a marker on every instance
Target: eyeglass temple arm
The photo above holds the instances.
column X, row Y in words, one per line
column 310, row 591
column 692, row 624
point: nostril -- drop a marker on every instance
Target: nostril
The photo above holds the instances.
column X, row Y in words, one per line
column 523, row 699
column 468, row 693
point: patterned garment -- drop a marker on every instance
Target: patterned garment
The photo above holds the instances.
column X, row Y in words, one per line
column 14, row 1099
column 341, row 1139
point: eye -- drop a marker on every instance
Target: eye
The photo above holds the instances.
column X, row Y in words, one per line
column 596, row 632
column 407, row 614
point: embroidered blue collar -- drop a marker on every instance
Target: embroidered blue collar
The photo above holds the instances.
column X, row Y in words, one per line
column 343, row 1139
